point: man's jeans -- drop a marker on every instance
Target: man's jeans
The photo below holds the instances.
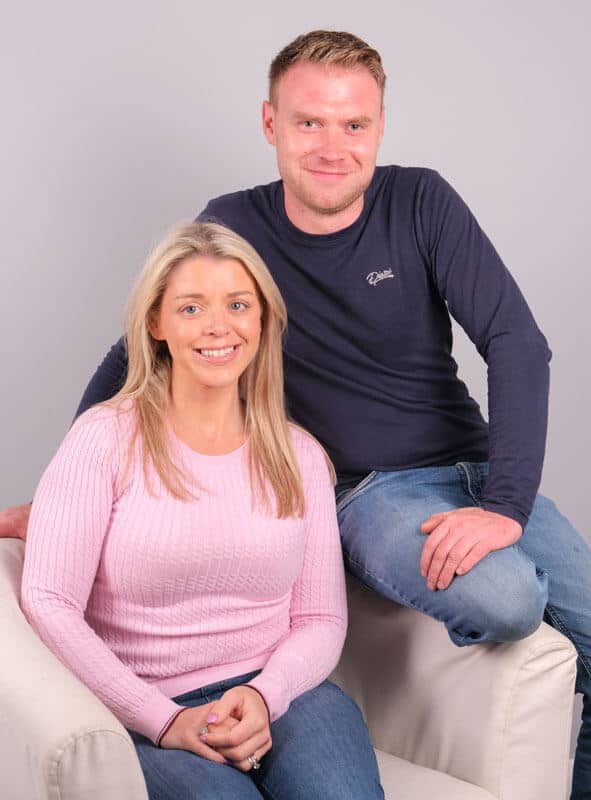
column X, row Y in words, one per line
column 321, row 751
column 503, row 598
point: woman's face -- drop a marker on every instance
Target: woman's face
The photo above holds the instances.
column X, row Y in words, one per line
column 210, row 318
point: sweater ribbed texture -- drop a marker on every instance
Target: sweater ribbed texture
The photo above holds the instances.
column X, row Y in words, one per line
column 144, row 596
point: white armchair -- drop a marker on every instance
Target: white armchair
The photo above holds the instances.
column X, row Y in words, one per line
column 490, row 722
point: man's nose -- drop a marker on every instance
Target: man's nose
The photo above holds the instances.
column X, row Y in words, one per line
column 332, row 145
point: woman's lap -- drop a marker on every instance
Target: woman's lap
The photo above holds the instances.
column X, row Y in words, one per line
column 321, row 750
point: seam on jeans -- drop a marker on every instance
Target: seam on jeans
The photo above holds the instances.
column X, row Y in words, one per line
column 352, row 493
column 468, row 479
column 560, row 625
column 268, row 794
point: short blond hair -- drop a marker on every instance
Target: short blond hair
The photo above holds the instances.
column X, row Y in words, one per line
column 332, row 48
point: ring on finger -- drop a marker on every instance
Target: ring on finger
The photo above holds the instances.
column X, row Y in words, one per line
column 204, row 730
column 254, row 762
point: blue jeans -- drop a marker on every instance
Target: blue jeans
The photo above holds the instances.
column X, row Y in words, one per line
column 503, row 598
column 321, row 750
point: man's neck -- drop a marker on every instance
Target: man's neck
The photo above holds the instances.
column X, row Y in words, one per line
column 310, row 221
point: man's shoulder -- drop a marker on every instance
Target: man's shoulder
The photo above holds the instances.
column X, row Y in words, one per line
column 233, row 208
column 409, row 176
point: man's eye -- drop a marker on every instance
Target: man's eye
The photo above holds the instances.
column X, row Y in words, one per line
column 238, row 305
column 355, row 126
column 308, row 123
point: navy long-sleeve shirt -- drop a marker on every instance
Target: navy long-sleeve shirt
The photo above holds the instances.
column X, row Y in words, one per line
column 368, row 364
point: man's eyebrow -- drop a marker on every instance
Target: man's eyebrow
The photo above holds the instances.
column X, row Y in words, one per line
column 363, row 119
column 200, row 296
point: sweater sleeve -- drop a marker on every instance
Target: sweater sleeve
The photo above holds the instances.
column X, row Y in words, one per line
column 311, row 650
column 486, row 301
column 67, row 529
column 109, row 377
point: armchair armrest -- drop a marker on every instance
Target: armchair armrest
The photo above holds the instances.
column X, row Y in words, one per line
column 497, row 716
column 56, row 738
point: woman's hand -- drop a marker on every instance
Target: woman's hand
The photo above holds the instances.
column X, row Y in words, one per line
column 185, row 731
column 250, row 737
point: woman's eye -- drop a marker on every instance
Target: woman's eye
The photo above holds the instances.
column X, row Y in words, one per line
column 190, row 310
column 237, row 305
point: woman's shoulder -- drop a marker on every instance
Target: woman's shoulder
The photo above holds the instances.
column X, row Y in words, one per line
column 104, row 427
column 310, row 454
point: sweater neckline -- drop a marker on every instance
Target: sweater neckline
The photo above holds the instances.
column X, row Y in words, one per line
column 210, row 458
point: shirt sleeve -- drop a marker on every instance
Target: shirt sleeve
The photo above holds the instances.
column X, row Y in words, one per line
column 67, row 528
column 486, row 301
column 108, row 378
column 318, row 612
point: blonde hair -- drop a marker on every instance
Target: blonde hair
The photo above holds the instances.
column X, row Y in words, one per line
column 332, row 48
column 272, row 458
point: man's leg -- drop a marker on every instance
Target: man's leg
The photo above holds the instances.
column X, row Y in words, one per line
column 501, row 599
column 554, row 545
column 321, row 751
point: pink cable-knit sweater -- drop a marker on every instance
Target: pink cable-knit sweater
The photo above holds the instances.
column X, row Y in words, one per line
column 146, row 597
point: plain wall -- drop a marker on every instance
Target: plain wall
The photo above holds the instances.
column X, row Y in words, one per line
column 122, row 118
column 119, row 119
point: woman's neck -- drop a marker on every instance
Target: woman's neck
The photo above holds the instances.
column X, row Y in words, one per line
column 209, row 420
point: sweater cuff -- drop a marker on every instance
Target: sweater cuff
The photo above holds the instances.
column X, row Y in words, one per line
column 269, row 687
column 152, row 720
column 506, row 511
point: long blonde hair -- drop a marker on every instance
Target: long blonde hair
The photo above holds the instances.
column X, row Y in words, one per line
column 272, row 458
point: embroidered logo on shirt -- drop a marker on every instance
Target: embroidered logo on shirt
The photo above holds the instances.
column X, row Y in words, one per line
column 379, row 275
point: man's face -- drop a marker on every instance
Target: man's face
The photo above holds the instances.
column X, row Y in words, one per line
column 326, row 124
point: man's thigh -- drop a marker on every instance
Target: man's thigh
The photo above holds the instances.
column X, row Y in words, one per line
column 501, row 599
column 321, row 751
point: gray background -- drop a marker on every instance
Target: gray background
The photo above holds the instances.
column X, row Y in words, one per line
column 122, row 118
column 119, row 119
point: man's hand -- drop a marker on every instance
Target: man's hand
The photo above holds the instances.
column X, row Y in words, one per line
column 459, row 539
column 185, row 731
column 14, row 521
column 252, row 735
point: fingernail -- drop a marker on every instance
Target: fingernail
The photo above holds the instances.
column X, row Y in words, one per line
column 203, row 737
column 212, row 718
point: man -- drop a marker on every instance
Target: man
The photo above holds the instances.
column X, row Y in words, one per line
column 437, row 509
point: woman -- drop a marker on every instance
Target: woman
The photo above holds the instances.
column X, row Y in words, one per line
column 185, row 536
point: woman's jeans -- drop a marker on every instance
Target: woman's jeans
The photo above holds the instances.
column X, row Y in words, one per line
column 503, row 598
column 321, row 751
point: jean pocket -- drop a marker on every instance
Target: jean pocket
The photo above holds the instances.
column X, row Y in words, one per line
column 352, row 493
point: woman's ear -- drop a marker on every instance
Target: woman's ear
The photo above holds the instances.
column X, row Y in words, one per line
column 154, row 327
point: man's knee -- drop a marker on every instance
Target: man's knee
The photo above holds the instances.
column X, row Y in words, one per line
column 506, row 610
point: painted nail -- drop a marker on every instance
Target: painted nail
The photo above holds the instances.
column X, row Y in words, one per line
column 212, row 718
column 203, row 737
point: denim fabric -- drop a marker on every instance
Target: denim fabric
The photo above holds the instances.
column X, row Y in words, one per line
column 503, row 598
column 321, row 751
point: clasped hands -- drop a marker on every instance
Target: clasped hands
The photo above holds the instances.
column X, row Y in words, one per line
column 459, row 539
column 238, row 727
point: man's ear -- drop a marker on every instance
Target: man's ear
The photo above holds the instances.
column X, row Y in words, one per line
column 268, row 117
